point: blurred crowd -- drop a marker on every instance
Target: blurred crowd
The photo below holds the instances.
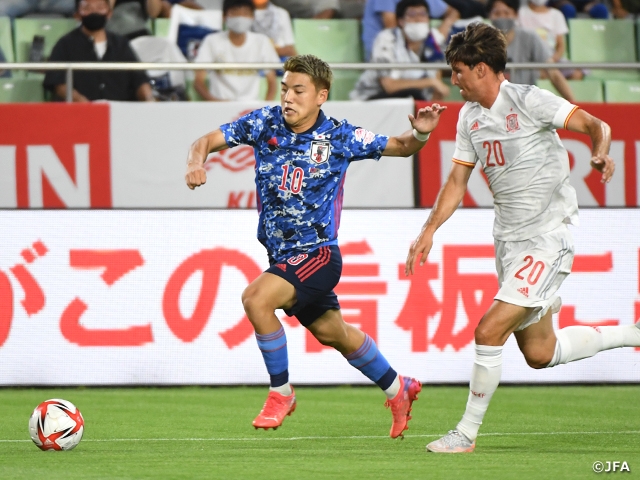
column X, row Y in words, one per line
column 260, row 31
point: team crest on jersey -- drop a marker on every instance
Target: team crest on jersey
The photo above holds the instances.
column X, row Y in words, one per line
column 320, row 151
column 512, row 122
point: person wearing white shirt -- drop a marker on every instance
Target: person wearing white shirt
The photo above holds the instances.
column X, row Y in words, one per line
column 413, row 41
column 236, row 44
column 510, row 131
column 275, row 23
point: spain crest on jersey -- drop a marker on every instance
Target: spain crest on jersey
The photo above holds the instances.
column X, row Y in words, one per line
column 320, row 151
column 512, row 122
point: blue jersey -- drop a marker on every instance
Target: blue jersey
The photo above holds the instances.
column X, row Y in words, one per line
column 300, row 176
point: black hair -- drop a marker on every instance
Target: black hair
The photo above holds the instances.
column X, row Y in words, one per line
column 105, row 1
column 403, row 5
column 229, row 4
column 512, row 4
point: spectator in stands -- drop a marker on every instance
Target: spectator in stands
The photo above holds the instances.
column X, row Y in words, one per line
column 19, row 8
column 381, row 14
column 310, row 8
column 91, row 42
column 129, row 17
column 236, row 44
column 551, row 27
column 275, row 23
column 524, row 46
column 412, row 41
column 468, row 8
column 570, row 8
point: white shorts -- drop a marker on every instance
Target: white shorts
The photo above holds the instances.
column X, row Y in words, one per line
column 531, row 271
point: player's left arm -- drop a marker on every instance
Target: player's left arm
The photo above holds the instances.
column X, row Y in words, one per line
column 600, row 134
column 408, row 143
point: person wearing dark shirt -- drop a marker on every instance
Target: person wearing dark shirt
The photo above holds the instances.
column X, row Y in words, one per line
column 92, row 43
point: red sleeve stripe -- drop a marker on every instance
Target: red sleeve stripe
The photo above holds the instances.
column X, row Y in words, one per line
column 573, row 110
column 461, row 162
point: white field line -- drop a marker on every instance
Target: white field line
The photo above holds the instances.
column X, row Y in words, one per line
column 354, row 437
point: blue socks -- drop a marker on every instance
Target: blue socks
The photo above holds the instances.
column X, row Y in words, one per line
column 367, row 359
column 372, row 364
column 274, row 351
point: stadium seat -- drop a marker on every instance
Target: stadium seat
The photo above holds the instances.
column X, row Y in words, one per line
column 161, row 27
column 14, row 90
column 334, row 41
column 50, row 28
column 605, row 41
column 6, row 40
column 620, row 91
column 588, row 90
column 343, row 83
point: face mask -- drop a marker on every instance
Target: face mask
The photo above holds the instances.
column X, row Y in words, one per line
column 239, row 24
column 94, row 21
column 539, row 3
column 416, row 31
column 505, row 25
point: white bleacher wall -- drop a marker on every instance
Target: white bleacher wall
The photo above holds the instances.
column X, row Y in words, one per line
column 100, row 297
column 133, row 155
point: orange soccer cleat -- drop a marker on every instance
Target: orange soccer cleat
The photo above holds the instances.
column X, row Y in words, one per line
column 400, row 405
column 276, row 407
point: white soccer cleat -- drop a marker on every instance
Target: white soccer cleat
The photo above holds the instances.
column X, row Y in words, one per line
column 452, row 442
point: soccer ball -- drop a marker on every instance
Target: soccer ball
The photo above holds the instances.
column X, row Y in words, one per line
column 56, row 425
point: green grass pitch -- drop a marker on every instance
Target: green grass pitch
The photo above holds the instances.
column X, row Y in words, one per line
column 336, row 433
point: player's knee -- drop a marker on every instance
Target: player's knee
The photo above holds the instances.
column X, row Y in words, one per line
column 538, row 359
column 484, row 335
column 252, row 301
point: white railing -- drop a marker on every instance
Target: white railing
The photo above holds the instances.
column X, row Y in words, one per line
column 70, row 67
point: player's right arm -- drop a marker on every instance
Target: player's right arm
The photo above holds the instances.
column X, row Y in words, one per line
column 600, row 134
column 447, row 202
column 211, row 142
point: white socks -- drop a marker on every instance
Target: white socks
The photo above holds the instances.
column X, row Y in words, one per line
column 283, row 389
column 393, row 390
column 576, row 343
column 485, row 377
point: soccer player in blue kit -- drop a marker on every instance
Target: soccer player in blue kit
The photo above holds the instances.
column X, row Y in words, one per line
column 301, row 161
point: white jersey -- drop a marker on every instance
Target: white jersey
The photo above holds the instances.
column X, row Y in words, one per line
column 523, row 158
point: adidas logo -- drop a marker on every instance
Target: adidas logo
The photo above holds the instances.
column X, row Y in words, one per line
column 282, row 266
column 524, row 291
column 475, row 126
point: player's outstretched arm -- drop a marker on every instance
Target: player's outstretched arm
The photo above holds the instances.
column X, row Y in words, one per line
column 600, row 134
column 448, row 200
column 411, row 141
column 212, row 142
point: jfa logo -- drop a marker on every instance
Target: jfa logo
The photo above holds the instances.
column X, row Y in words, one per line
column 606, row 467
column 512, row 122
column 320, row 151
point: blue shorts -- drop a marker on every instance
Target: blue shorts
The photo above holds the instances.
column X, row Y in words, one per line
column 314, row 275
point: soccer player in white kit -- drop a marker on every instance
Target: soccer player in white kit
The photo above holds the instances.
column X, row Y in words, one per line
column 510, row 130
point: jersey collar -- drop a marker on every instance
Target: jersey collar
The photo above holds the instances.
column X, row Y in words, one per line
column 314, row 127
